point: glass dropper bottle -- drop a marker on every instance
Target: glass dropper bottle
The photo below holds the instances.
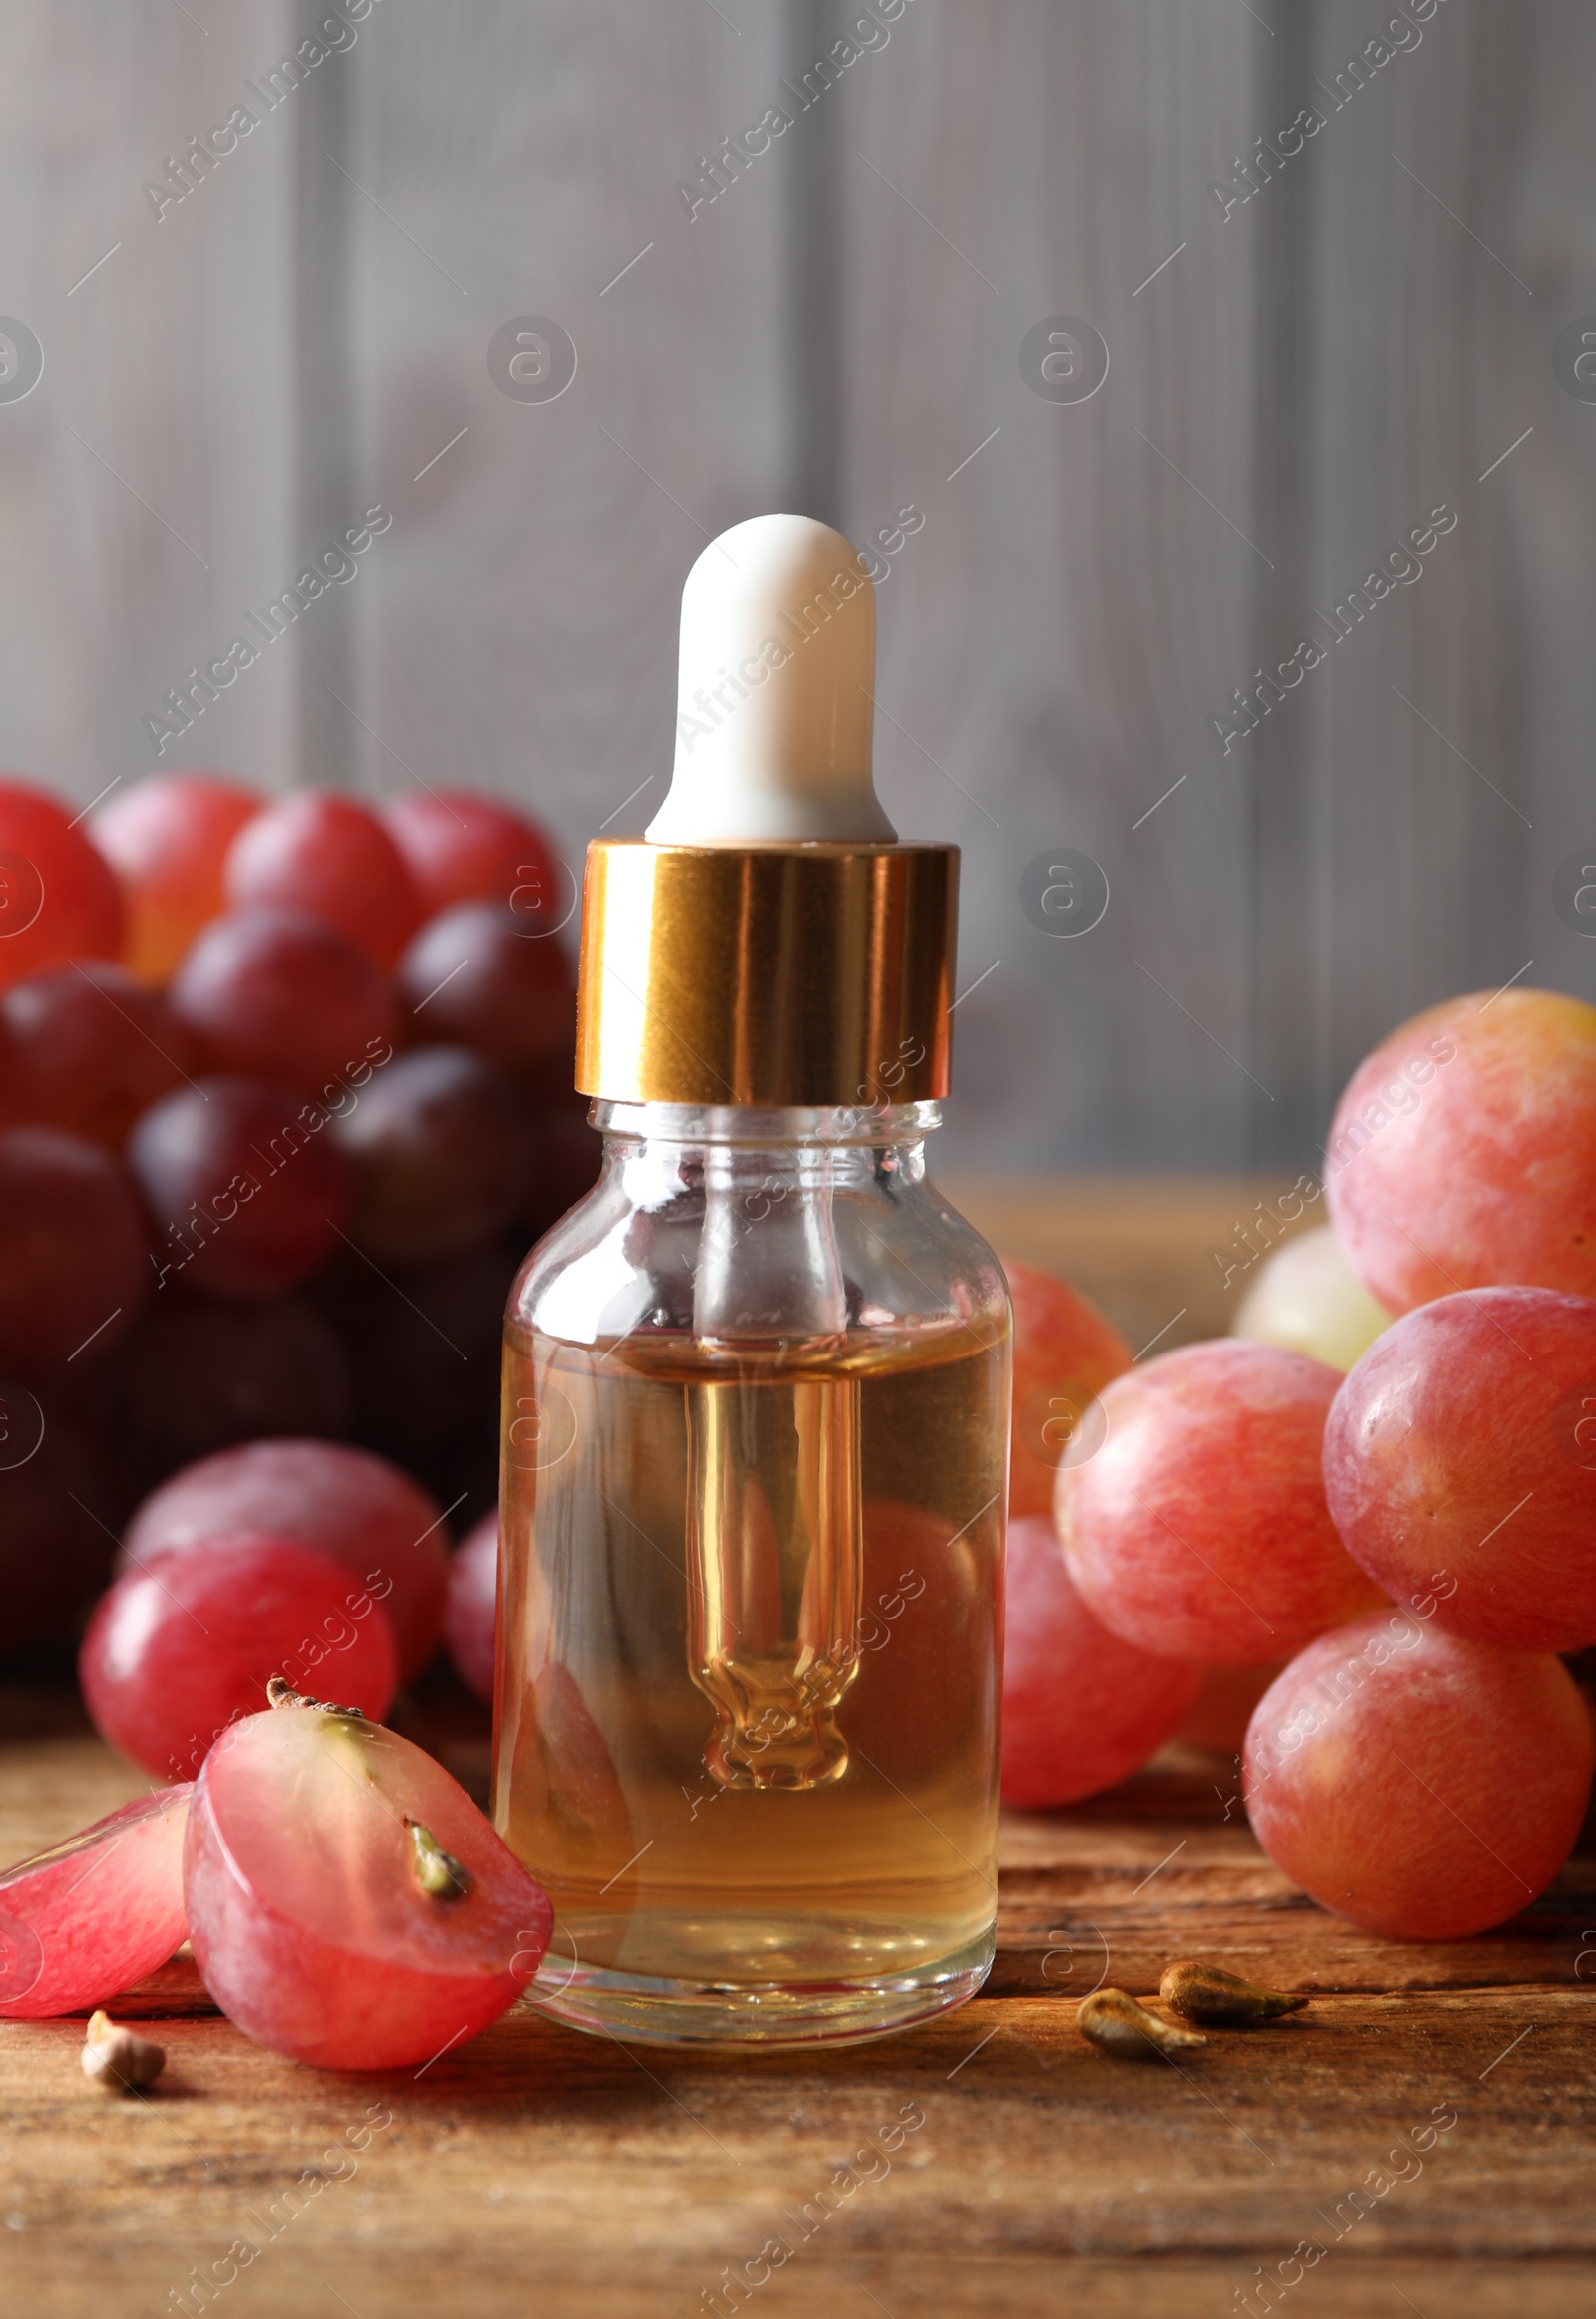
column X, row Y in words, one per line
column 756, row 1389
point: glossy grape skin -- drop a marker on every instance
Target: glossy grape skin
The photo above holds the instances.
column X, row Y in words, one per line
column 378, row 1522
column 1305, row 1297
column 87, row 1047
column 73, row 1267
column 197, row 1375
column 1065, row 1355
column 1463, row 1152
column 1420, row 1784
column 60, row 1504
column 277, row 993
column 468, row 1620
column 463, row 847
column 307, row 1919
column 1461, row 1466
column 472, row 977
column 1083, row 1709
column 58, row 898
column 166, row 839
column 331, row 855
column 1199, row 1528
column 440, row 1153
column 90, row 1917
column 244, row 1186
column 184, row 1644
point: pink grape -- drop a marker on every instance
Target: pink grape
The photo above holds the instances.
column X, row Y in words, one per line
column 276, row 994
column 184, row 1643
column 58, row 898
column 1199, row 1528
column 473, row 977
column 468, row 1620
column 1083, row 1709
column 1065, row 1354
column 1424, row 1784
column 88, row 1048
column 91, row 1916
column 166, row 839
column 329, row 855
column 378, row 1522
column 310, row 1838
column 244, row 1186
column 464, row 847
column 1461, row 1466
column 73, row 1267
column 1463, row 1151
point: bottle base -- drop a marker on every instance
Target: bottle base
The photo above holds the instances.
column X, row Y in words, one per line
column 641, row 2009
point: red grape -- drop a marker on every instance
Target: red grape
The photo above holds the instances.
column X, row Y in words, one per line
column 569, row 1153
column 463, row 847
column 473, row 976
column 331, row 855
column 1420, row 1784
column 248, row 1193
column 185, row 1642
column 58, row 898
column 1065, row 1355
column 1082, row 1709
column 1463, row 1152
column 90, row 1917
column 59, row 1510
column 1461, row 1466
column 89, row 1048
column 276, row 994
column 73, row 1267
column 365, row 1513
column 468, row 1620
column 197, row 1376
column 440, row 1151
column 347, row 1902
column 166, row 840
column 1199, row 1528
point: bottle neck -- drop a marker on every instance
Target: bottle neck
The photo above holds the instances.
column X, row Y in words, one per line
column 738, row 1128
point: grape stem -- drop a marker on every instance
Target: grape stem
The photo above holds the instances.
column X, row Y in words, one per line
column 281, row 1693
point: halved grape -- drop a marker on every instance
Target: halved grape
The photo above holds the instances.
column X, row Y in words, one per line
column 378, row 1522
column 186, row 1643
column 93, row 1915
column 347, row 1902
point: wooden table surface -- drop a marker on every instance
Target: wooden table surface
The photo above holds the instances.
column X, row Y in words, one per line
column 539, row 2172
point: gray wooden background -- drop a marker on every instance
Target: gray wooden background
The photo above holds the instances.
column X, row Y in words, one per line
column 305, row 333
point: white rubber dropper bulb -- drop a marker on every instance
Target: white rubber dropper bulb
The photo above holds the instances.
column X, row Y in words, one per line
column 775, row 699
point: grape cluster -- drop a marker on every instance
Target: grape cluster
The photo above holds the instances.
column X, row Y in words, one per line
column 1371, row 1515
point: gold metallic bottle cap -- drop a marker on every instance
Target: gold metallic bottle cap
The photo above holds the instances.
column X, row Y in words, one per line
column 788, row 976
column 769, row 942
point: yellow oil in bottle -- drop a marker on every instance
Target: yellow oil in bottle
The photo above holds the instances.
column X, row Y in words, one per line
column 748, row 1690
